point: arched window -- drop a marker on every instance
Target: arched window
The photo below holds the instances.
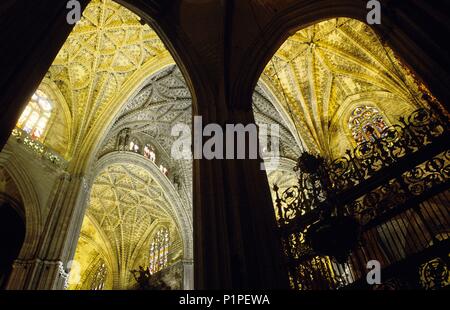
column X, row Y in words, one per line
column 163, row 170
column 122, row 139
column 99, row 277
column 367, row 124
column 134, row 146
column 159, row 250
column 35, row 117
column 150, row 153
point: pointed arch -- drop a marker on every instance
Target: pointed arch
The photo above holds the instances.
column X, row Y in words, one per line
column 178, row 210
column 31, row 203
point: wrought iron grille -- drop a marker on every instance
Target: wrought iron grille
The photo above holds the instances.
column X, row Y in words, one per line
column 397, row 188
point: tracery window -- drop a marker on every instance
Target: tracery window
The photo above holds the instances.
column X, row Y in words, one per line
column 159, row 250
column 367, row 124
column 35, row 117
column 149, row 153
column 99, row 278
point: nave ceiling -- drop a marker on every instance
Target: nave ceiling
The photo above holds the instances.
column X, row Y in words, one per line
column 126, row 207
column 323, row 70
column 106, row 50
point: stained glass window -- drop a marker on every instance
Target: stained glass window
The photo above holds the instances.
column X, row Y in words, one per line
column 99, row 278
column 149, row 153
column 367, row 124
column 163, row 170
column 35, row 117
column 159, row 250
column 134, row 146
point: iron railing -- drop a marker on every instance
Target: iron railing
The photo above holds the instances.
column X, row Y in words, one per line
column 397, row 189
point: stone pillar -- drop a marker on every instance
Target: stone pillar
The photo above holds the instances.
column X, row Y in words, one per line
column 236, row 245
column 235, row 235
column 28, row 275
column 48, row 270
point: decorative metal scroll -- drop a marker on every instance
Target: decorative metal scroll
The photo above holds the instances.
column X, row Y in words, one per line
column 434, row 274
column 420, row 129
column 412, row 183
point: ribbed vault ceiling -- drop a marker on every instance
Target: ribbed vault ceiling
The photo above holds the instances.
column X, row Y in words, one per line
column 106, row 47
column 126, row 204
column 318, row 68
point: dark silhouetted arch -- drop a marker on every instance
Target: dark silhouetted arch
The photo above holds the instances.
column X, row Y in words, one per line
column 12, row 235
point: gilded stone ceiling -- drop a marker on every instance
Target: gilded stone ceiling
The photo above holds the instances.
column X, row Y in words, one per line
column 126, row 205
column 106, row 47
column 320, row 67
column 151, row 114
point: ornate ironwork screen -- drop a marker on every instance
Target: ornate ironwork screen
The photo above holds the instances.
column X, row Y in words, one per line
column 397, row 188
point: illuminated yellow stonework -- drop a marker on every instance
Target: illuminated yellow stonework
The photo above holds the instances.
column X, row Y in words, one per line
column 106, row 50
column 92, row 247
column 126, row 208
column 327, row 69
column 105, row 59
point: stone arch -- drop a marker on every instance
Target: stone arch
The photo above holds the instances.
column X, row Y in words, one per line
column 179, row 211
column 302, row 14
column 104, row 252
column 31, row 205
column 278, row 102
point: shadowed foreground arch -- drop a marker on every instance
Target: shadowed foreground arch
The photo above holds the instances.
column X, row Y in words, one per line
column 32, row 207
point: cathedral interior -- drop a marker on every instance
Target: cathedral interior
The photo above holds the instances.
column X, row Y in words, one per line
column 91, row 197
